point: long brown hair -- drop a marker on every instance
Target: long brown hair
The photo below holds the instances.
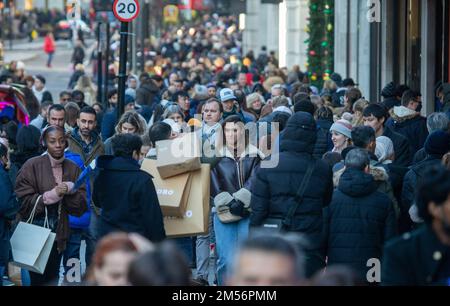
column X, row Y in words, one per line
column 132, row 118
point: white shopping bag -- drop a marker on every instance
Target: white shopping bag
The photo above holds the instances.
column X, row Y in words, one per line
column 31, row 244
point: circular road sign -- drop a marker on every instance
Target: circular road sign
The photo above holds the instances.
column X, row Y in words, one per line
column 126, row 10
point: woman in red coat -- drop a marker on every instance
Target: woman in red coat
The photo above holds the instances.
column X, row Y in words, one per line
column 49, row 47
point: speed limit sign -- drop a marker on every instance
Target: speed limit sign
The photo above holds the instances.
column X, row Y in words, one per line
column 126, row 10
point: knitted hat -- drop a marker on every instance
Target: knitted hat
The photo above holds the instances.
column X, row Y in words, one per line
column 389, row 90
column 342, row 127
column 438, row 143
column 201, row 92
column 384, row 148
column 131, row 92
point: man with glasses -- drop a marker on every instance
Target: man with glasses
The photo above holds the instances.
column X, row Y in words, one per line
column 407, row 120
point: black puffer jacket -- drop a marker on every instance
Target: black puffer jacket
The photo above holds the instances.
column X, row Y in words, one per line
column 419, row 156
column 402, row 147
column 323, row 138
column 128, row 199
column 9, row 207
column 411, row 125
column 358, row 222
column 415, row 259
column 231, row 175
column 412, row 177
column 274, row 189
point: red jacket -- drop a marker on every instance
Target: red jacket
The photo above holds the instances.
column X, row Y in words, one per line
column 49, row 45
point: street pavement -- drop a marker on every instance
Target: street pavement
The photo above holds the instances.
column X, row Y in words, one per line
column 35, row 59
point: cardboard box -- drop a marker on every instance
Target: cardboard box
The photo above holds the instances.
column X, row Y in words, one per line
column 196, row 220
column 173, row 193
column 178, row 156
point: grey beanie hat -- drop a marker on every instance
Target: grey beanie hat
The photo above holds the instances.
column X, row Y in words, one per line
column 342, row 127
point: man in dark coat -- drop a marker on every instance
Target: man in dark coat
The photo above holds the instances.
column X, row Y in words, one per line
column 9, row 206
column 126, row 194
column 422, row 258
column 324, row 124
column 375, row 116
column 435, row 122
column 406, row 120
column 446, row 98
column 110, row 117
column 274, row 189
column 436, row 146
column 78, row 54
column 146, row 93
column 359, row 219
column 389, row 94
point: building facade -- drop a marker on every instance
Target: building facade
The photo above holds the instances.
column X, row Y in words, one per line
column 405, row 41
column 280, row 26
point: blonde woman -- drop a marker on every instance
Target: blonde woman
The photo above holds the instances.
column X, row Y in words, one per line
column 329, row 87
column 358, row 109
column 130, row 123
column 85, row 85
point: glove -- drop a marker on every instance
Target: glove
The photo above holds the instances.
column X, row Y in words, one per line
column 238, row 208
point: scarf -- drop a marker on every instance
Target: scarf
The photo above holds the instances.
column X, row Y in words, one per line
column 57, row 168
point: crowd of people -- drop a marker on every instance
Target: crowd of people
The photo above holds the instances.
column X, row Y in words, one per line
column 351, row 181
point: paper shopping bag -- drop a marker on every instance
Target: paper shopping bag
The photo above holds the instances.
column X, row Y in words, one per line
column 173, row 193
column 196, row 219
column 31, row 246
column 178, row 156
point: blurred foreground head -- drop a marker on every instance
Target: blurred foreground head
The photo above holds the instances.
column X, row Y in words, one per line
column 267, row 261
column 113, row 256
column 162, row 266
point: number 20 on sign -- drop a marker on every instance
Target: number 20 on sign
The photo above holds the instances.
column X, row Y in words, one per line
column 126, row 10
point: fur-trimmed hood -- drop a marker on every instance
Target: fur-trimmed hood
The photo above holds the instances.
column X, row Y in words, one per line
column 402, row 114
column 379, row 175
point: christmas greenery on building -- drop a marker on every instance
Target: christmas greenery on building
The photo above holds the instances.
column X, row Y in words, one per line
column 321, row 41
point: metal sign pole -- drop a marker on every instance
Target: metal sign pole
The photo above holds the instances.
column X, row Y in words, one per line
column 122, row 67
column 107, row 51
column 100, row 66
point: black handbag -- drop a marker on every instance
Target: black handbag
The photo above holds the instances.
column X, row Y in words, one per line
column 276, row 225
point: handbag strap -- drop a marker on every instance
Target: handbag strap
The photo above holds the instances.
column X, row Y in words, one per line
column 287, row 222
column 33, row 212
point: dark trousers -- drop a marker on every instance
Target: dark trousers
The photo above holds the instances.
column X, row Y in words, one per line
column 51, row 273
